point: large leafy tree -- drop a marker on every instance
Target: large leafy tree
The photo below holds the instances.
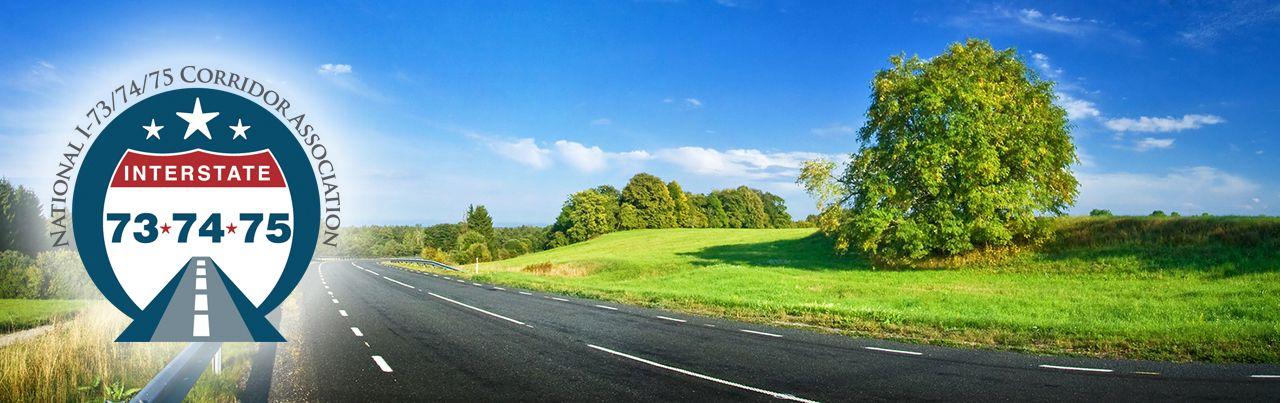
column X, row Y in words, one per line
column 587, row 214
column 743, row 208
column 687, row 215
column 959, row 151
column 713, row 209
column 646, row 203
column 775, row 207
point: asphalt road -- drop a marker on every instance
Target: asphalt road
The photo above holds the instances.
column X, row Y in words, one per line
column 364, row 331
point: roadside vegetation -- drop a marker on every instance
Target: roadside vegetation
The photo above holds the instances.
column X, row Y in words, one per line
column 78, row 360
column 1180, row 289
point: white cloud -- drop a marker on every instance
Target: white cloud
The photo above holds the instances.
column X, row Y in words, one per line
column 523, row 151
column 344, row 77
column 834, row 129
column 1153, row 143
column 1078, row 109
column 39, row 77
column 1030, row 21
column 741, row 163
column 1148, row 124
column 693, row 102
column 602, row 122
column 1041, row 61
column 593, row 159
column 1194, row 189
column 329, row 68
column 737, row 163
column 587, row 159
column 1236, row 17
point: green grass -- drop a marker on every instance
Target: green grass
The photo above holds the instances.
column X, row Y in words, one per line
column 1134, row 294
column 19, row 314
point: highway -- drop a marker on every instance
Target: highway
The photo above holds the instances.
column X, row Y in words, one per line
column 363, row 331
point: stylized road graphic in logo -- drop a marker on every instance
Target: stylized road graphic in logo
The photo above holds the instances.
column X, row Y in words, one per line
column 196, row 213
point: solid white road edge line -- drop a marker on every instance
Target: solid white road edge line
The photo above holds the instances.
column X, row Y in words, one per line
column 672, row 319
column 397, row 282
column 760, row 333
column 773, row 394
column 381, row 363
column 356, row 330
column 1075, row 368
column 607, row 307
column 477, row 309
column 889, row 350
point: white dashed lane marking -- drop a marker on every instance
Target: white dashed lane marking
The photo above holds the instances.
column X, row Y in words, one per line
column 672, row 319
column 200, row 326
column 525, row 293
column 397, row 282
column 477, row 309
column 606, row 307
column 499, row 288
column 890, row 350
column 342, row 312
column 560, row 299
column 357, row 332
column 335, row 300
column 1265, row 376
column 1083, row 369
column 202, row 302
column 760, row 333
column 775, row 395
column 382, row 364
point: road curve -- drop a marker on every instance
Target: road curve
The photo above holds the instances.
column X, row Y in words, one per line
column 366, row 331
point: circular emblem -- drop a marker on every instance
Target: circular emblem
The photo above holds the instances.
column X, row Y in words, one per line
column 196, row 212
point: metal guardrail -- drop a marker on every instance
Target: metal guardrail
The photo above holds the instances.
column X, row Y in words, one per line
column 176, row 379
column 430, row 262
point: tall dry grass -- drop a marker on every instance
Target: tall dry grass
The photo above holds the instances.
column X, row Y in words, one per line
column 79, row 361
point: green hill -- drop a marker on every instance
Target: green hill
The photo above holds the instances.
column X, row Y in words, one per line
column 1200, row 300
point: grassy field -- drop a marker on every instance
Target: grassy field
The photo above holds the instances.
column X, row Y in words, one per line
column 18, row 314
column 1166, row 289
column 79, row 361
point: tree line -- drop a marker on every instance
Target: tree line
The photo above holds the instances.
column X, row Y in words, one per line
column 474, row 238
column 648, row 202
column 27, row 268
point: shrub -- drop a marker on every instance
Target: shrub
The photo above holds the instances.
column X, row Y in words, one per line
column 1100, row 213
column 541, row 268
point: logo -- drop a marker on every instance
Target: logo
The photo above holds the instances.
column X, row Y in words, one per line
column 197, row 211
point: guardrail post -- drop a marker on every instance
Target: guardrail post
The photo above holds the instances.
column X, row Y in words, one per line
column 217, row 362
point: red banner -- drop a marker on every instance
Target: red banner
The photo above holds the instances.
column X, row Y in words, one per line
column 199, row 169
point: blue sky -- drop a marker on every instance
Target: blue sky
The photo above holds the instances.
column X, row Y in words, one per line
column 516, row 104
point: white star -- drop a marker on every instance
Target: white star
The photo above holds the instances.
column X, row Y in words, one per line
column 153, row 130
column 197, row 120
column 240, row 128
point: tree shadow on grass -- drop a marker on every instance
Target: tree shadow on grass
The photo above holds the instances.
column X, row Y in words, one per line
column 1200, row 258
column 814, row 252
